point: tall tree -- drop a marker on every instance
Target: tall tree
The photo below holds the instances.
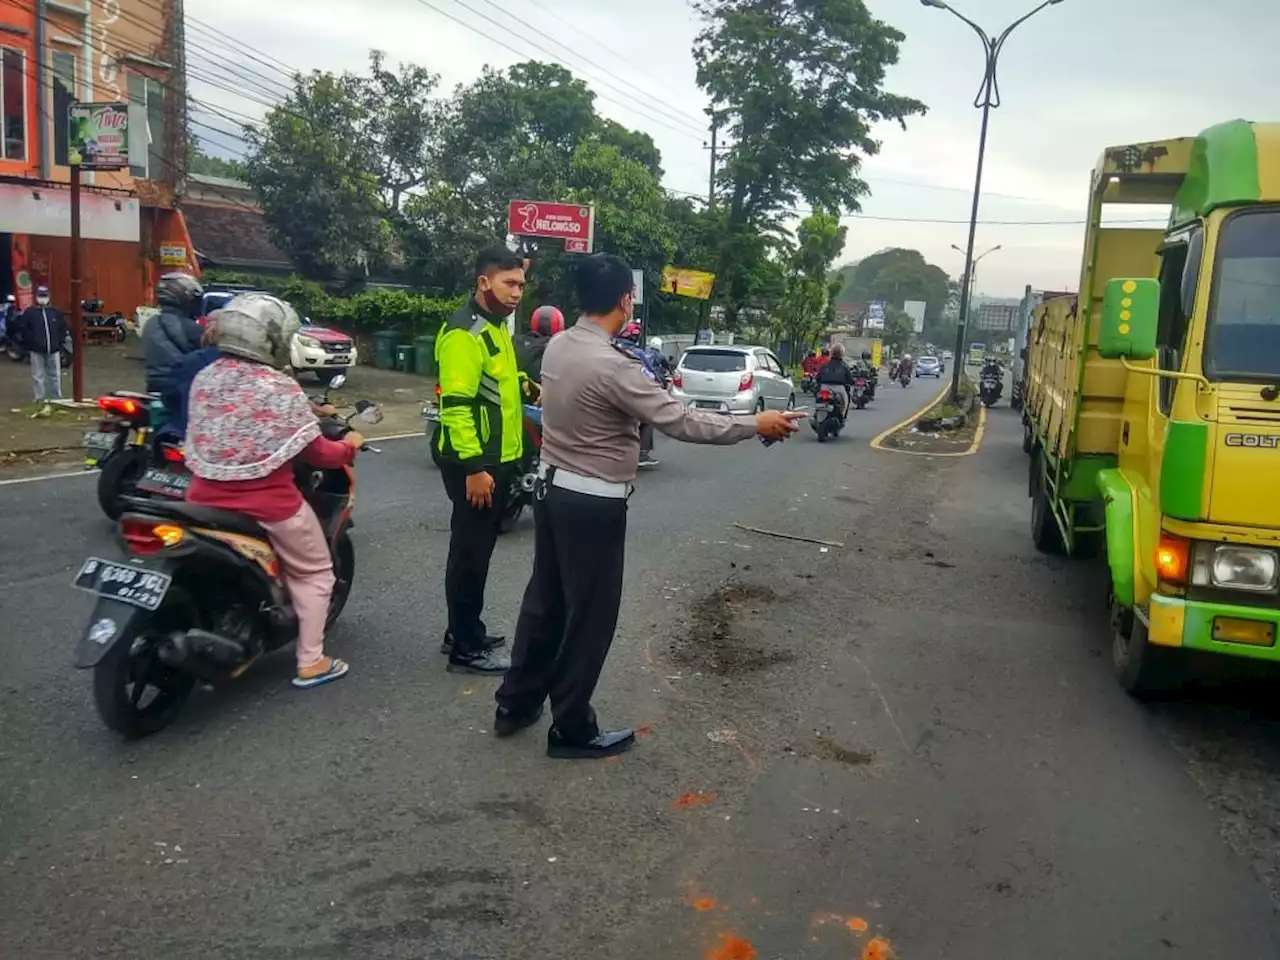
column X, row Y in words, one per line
column 895, row 276
column 805, row 307
column 315, row 177
column 798, row 85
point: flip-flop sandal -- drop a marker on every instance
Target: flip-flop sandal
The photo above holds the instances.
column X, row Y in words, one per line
column 337, row 669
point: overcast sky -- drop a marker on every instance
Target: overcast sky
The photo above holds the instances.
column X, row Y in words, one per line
column 1080, row 76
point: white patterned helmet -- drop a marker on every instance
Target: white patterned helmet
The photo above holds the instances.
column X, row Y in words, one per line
column 258, row 327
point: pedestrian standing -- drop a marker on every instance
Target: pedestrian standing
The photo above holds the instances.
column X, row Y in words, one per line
column 596, row 395
column 41, row 330
column 478, row 448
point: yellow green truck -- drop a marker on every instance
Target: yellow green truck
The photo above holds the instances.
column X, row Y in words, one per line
column 1152, row 414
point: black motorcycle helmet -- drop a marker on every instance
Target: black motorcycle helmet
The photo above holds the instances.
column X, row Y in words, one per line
column 866, row 355
column 182, row 291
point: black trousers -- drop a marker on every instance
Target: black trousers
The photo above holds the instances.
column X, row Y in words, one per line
column 646, row 438
column 570, row 609
column 472, row 534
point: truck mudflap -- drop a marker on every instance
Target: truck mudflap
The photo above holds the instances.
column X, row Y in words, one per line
column 1117, row 495
column 1222, row 628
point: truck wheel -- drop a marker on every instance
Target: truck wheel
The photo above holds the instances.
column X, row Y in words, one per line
column 1143, row 669
column 1028, row 438
column 1044, row 528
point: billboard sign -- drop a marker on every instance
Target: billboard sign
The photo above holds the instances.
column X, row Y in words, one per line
column 875, row 315
column 915, row 310
column 98, row 135
column 573, row 223
column 687, row 283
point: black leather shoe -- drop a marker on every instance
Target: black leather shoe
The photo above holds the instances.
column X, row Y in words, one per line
column 484, row 664
column 491, row 642
column 507, row 723
column 606, row 744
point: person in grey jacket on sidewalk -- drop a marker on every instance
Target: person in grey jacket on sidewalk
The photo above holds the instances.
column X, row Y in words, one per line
column 41, row 330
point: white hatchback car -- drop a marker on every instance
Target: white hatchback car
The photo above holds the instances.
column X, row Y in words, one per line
column 732, row 379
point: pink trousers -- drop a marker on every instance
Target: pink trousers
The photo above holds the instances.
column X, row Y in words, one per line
column 308, row 570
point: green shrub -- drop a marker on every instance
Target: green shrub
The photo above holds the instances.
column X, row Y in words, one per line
column 363, row 313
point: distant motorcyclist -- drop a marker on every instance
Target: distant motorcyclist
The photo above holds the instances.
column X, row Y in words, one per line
column 660, row 365
column 172, row 333
column 907, row 366
column 990, row 365
column 836, row 373
column 865, row 368
column 812, row 363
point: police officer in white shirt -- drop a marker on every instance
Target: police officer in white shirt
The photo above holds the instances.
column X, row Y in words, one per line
column 595, row 396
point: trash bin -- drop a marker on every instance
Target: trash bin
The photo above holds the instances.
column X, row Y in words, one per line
column 404, row 357
column 384, row 349
column 425, row 350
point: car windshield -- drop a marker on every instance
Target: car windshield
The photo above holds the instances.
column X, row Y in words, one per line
column 1243, row 335
column 714, row 361
column 928, row 360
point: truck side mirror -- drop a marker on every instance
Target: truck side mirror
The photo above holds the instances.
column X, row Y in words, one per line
column 1130, row 313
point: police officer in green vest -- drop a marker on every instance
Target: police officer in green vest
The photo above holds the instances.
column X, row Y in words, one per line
column 478, row 445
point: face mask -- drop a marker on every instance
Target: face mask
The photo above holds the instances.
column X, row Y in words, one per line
column 42, row 301
column 493, row 305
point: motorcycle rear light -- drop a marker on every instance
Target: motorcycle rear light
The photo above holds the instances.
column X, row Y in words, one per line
column 746, row 380
column 677, row 379
column 146, row 538
column 824, row 394
column 173, row 454
column 439, row 392
column 124, row 406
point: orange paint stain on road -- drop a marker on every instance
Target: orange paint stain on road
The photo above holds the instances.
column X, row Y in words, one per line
column 687, row 801
column 856, row 924
column 878, row 948
column 732, row 947
column 645, row 732
column 704, row 904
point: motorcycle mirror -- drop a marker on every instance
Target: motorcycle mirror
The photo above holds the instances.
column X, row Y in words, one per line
column 337, row 382
column 369, row 413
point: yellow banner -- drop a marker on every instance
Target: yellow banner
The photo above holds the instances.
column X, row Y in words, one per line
column 877, row 352
column 687, row 283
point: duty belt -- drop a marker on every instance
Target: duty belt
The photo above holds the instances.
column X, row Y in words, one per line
column 578, row 483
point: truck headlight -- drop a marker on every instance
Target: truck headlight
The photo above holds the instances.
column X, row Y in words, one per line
column 1235, row 567
column 311, row 343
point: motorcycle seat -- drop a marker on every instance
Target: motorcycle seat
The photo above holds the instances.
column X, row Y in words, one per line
column 134, row 395
column 197, row 515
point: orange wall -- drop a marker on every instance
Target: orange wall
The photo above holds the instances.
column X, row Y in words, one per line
column 113, row 271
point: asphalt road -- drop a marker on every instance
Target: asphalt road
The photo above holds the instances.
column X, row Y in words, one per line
column 913, row 736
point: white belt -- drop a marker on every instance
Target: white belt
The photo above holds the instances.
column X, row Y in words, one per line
column 591, row 486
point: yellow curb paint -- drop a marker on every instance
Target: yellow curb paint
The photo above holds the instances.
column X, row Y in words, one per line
column 973, row 447
column 881, row 437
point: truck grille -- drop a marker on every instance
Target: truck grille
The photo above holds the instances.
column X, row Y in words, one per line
column 337, row 346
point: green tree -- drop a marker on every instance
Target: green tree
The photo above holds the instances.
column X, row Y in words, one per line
column 895, row 276
column 806, row 305
column 315, row 177
column 898, row 329
column 798, row 84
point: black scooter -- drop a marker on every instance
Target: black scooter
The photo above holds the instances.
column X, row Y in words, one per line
column 990, row 386
column 201, row 596
column 828, row 414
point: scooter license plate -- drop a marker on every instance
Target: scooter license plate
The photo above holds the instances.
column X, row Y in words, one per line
column 165, row 483
column 137, row 586
column 97, row 445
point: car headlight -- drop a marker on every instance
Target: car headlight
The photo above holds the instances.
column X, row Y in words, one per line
column 1235, row 567
column 311, row 343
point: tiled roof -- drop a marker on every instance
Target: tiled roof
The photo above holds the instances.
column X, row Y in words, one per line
column 225, row 234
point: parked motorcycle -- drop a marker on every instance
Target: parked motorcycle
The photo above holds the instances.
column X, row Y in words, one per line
column 99, row 326
column 19, row 354
column 990, row 386
column 828, row 414
column 201, row 596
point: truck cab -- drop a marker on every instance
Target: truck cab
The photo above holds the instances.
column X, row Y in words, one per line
column 1168, row 403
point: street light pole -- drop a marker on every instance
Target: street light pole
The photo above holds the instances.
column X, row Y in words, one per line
column 971, row 271
column 987, row 99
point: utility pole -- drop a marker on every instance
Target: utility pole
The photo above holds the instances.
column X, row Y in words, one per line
column 178, row 88
column 77, row 339
column 711, row 182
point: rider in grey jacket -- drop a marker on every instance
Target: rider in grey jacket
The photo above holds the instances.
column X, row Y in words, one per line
column 174, row 332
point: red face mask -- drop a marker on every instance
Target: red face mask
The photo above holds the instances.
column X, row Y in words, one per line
column 492, row 305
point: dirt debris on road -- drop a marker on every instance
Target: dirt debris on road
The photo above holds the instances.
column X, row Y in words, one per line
column 719, row 638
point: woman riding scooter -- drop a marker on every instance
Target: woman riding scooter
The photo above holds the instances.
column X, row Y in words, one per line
column 248, row 421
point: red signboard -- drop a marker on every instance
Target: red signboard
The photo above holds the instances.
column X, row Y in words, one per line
column 574, row 224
